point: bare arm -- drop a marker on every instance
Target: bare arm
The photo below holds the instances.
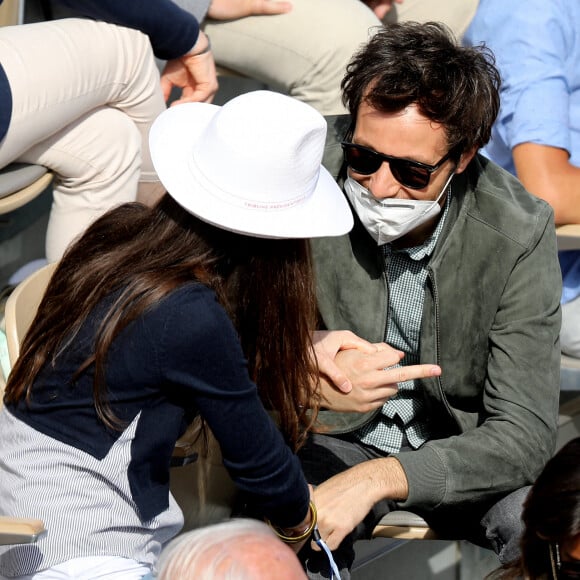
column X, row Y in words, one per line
column 344, row 500
column 547, row 173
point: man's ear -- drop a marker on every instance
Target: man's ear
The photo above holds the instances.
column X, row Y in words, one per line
column 464, row 160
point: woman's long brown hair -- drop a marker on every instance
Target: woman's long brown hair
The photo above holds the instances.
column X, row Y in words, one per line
column 266, row 286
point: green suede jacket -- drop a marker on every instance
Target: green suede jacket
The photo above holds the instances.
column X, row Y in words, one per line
column 491, row 320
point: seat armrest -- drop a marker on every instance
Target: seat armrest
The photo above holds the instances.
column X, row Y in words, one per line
column 568, row 237
column 403, row 525
column 19, row 530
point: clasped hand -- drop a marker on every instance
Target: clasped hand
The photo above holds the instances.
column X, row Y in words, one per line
column 356, row 375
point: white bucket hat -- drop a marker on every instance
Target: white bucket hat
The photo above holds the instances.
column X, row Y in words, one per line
column 251, row 166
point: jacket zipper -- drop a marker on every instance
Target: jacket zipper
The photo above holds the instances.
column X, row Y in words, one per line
column 438, row 346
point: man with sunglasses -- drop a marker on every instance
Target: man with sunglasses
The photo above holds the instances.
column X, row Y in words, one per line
column 450, row 262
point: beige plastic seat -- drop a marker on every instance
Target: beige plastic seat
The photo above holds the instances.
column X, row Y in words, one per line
column 24, row 303
column 19, row 530
column 23, row 530
column 568, row 237
column 403, row 525
column 10, row 12
column 20, row 183
column 569, row 373
column 21, row 308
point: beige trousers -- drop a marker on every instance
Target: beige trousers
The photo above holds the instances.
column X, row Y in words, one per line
column 457, row 14
column 304, row 53
column 84, row 96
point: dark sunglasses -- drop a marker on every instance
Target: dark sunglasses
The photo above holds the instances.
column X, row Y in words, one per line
column 411, row 174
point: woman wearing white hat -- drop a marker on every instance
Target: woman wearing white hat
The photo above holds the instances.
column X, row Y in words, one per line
column 148, row 321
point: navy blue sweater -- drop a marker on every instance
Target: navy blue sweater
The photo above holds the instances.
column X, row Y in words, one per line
column 180, row 358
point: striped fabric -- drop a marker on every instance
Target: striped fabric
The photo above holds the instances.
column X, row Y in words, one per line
column 109, row 526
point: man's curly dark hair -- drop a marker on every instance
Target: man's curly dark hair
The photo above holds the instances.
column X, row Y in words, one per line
column 422, row 64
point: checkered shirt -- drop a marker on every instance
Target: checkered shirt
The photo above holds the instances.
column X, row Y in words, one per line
column 404, row 414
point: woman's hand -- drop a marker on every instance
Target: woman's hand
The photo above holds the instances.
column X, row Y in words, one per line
column 194, row 73
column 374, row 378
column 327, row 343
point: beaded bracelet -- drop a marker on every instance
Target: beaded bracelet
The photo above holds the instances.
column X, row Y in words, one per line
column 302, row 535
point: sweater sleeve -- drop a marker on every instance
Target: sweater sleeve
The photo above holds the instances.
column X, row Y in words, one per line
column 171, row 30
column 201, row 357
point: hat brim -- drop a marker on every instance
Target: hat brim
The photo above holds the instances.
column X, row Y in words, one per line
column 172, row 140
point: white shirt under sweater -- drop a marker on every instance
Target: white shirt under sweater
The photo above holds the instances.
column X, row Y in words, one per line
column 88, row 518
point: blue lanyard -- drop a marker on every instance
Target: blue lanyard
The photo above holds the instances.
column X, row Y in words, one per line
column 334, row 573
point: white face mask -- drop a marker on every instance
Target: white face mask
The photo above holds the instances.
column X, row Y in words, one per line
column 389, row 219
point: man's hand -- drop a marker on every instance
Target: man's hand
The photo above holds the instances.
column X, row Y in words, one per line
column 233, row 9
column 373, row 382
column 194, row 73
column 327, row 343
column 381, row 7
column 344, row 500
